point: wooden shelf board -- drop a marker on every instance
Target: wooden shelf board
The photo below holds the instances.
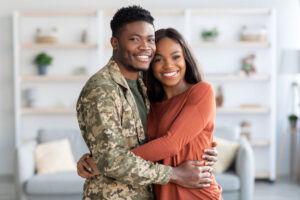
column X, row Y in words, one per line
column 58, row 45
column 239, row 11
column 53, row 78
column 260, row 142
column 262, row 174
column 242, row 110
column 59, row 12
column 153, row 12
column 47, row 111
column 236, row 44
column 233, row 77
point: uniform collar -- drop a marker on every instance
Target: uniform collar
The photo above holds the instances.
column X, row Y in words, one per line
column 118, row 77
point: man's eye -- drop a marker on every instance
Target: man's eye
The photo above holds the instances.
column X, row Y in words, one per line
column 151, row 40
column 134, row 39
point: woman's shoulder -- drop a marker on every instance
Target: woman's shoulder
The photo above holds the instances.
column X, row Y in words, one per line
column 201, row 88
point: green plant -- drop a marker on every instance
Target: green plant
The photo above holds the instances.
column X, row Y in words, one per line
column 210, row 33
column 293, row 117
column 43, row 59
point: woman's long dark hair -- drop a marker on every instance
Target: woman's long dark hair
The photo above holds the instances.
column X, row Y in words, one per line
column 155, row 90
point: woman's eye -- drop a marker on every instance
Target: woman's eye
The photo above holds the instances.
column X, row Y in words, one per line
column 176, row 57
column 156, row 59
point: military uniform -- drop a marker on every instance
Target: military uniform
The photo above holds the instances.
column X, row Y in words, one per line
column 110, row 125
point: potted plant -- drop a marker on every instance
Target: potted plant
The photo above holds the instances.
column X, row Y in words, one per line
column 293, row 120
column 210, row 35
column 43, row 60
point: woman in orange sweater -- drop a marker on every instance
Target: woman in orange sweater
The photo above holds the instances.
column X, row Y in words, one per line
column 181, row 120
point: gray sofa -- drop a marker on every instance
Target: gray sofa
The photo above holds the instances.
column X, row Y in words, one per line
column 60, row 186
column 236, row 184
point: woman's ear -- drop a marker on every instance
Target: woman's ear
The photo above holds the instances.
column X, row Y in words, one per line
column 114, row 43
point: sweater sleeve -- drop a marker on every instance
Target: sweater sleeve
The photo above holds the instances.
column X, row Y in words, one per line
column 197, row 112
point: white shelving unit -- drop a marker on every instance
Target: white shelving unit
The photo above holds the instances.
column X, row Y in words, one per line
column 59, row 89
column 219, row 61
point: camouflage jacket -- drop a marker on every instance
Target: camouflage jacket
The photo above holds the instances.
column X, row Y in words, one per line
column 110, row 125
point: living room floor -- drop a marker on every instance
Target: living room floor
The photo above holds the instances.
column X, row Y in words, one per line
column 283, row 190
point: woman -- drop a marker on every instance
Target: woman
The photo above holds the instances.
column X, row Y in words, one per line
column 181, row 120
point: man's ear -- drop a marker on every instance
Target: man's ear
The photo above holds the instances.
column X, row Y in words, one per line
column 114, row 43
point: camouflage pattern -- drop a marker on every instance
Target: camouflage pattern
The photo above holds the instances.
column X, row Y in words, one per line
column 110, row 125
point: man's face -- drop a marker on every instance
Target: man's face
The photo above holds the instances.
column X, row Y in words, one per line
column 135, row 46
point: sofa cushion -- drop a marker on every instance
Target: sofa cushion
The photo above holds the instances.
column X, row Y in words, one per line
column 227, row 152
column 77, row 143
column 54, row 157
column 228, row 181
column 60, row 183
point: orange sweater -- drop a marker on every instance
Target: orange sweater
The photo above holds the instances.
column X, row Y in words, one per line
column 179, row 129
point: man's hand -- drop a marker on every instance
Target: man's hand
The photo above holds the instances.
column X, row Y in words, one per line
column 192, row 174
column 86, row 167
column 212, row 155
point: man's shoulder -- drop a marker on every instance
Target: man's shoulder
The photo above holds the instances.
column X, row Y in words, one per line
column 100, row 82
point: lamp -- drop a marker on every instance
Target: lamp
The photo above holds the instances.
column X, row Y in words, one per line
column 289, row 41
column 289, row 23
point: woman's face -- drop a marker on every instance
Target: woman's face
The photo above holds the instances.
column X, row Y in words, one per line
column 169, row 65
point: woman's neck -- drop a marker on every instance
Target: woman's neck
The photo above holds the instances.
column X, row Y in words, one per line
column 175, row 90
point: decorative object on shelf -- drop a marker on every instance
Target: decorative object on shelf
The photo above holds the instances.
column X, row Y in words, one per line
column 246, row 129
column 210, row 35
column 46, row 37
column 84, row 36
column 220, row 96
column 80, row 71
column 30, row 97
column 43, row 60
column 293, row 121
column 248, row 65
column 254, row 34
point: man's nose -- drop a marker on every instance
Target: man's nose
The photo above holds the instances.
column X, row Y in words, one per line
column 144, row 45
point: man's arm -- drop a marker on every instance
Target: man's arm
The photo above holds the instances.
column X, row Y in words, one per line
column 107, row 144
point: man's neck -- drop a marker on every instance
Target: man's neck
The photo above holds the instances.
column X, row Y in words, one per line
column 132, row 75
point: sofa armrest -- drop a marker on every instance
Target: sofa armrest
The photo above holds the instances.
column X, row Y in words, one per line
column 25, row 161
column 245, row 169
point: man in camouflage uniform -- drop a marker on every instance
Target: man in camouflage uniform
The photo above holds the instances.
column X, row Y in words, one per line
column 109, row 117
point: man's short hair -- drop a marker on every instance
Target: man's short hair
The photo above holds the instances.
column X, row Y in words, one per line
column 127, row 15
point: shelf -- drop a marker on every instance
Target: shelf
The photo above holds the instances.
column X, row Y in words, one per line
column 233, row 77
column 262, row 174
column 53, row 78
column 237, row 44
column 260, row 142
column 48, row 111
column 58, row 45
column 59, row 12
column 153, row 12
column 239, row 11
column 243, row 110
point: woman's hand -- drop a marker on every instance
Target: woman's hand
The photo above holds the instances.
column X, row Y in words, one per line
column 86, row 167
column 212, row 155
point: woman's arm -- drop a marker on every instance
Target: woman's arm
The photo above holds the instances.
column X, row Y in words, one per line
column 193, row 118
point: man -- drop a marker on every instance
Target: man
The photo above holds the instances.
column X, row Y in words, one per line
column 112, row 110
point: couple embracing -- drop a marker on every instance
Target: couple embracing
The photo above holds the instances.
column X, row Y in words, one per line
column 147, row 118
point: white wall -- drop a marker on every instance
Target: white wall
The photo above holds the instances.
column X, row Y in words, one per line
column 6, row 73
